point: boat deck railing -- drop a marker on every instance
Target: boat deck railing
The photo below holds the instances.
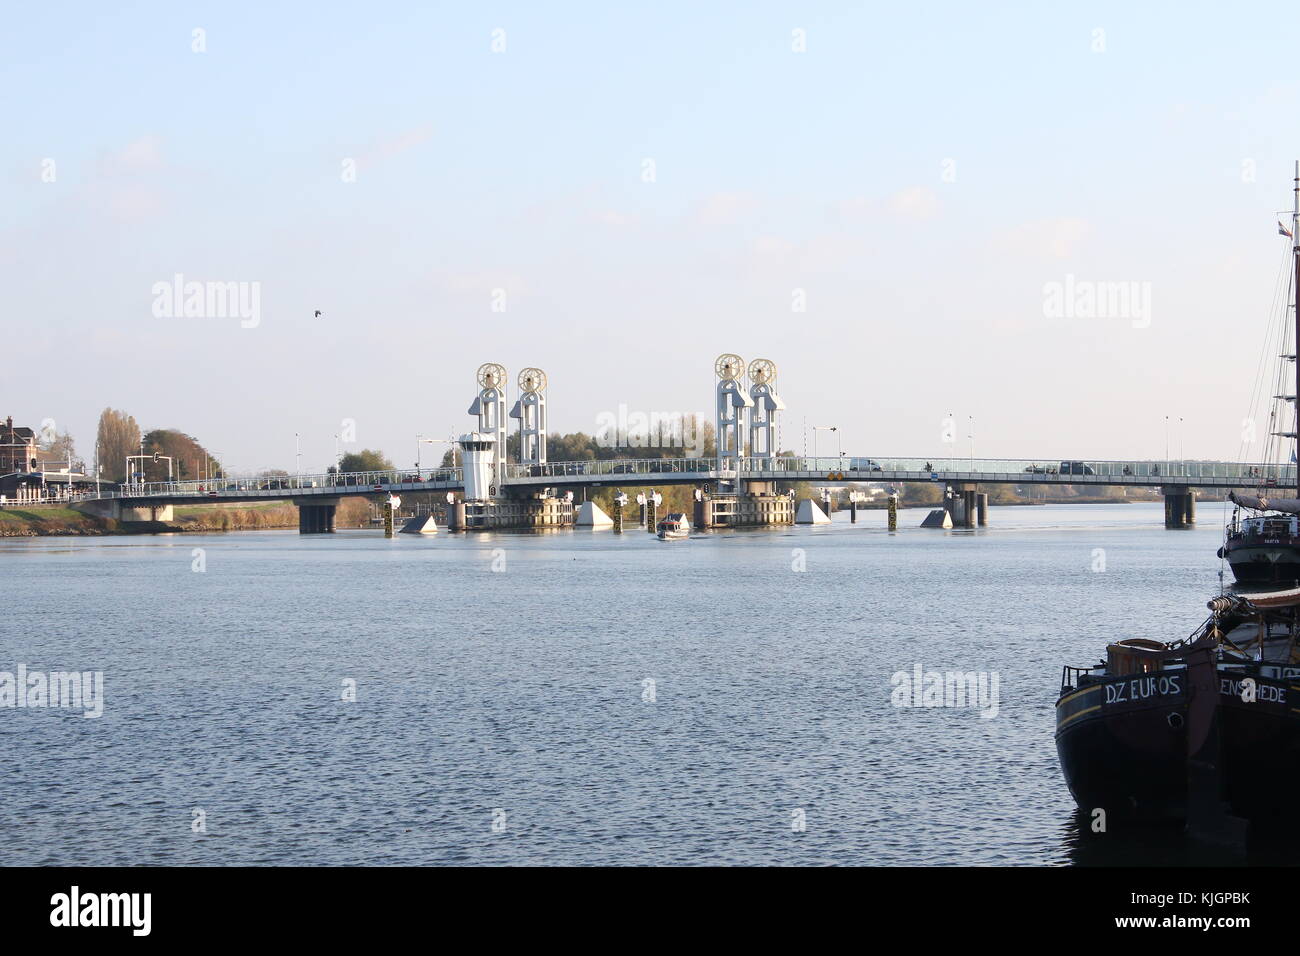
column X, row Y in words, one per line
column 1073, row 678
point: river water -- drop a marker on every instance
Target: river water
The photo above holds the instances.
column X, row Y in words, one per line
column 574, row 697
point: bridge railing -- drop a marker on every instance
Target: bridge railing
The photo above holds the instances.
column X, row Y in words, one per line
column 869, row 469
column 841, row 468
column 284, row 486
column 612, row 467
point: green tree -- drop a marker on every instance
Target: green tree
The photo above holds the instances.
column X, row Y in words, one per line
column 189, row 458
column 365, row 460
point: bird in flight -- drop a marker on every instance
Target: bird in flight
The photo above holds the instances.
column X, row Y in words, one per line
column 319, row 313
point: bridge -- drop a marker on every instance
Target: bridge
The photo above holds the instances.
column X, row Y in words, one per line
column 1173, row 478
column 746, row 468
column 638, row 472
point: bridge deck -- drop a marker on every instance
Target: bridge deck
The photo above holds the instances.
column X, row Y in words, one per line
column 1191, row 474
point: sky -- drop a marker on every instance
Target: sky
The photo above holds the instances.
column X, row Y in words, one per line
column 881, row 198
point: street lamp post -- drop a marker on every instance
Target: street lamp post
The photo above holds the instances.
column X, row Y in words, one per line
column 825, row 428
column 950, row 436
column 421, row 440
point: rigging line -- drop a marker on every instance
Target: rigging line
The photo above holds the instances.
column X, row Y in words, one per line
column 1276, row 326
column 1253, row 405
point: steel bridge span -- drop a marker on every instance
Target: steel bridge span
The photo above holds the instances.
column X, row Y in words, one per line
column 667, row 471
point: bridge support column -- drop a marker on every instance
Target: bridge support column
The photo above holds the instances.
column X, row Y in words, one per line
column 704, row 513
column 316, row 516
column 147, row 513
column 967, row 506
column 1180, row 507
column 456, row 516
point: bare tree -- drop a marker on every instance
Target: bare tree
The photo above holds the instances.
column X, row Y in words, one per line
column 118, row 437
column 59, row 449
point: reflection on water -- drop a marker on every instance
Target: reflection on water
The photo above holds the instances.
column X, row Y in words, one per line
column 502, row 679
column 1169, row 845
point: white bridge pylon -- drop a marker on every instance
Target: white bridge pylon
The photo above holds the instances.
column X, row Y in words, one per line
column 732, row 410
column 484, row 450
column 747, row 405
column 530, row 410
column 746, row 417
column 762, row 423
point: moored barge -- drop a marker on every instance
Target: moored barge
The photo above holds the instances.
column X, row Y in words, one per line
column 1201, row 729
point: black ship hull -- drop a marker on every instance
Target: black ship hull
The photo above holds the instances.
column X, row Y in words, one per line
column 1273, row 562
column 1124, row 745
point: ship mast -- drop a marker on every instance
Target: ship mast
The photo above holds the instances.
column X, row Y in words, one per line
column 1295, row 342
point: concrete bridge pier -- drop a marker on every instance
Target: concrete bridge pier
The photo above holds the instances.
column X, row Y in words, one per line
column 316, row 516
column 967, row 505
column 147, row 513
column 704, row 512
column 115, row 508
column 1180, row 507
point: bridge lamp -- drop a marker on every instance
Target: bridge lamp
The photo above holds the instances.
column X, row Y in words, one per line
column 826, row 428
column 421, row 440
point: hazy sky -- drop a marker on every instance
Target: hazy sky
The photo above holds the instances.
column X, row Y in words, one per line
column 920, row 172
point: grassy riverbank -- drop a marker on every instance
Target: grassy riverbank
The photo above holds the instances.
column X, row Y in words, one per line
column 47, row 520
column 30, row 522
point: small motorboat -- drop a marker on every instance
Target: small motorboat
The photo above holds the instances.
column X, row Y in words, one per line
column 673, row 526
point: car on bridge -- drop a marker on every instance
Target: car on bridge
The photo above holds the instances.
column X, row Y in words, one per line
column 863, row 464
column 1076, row 468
